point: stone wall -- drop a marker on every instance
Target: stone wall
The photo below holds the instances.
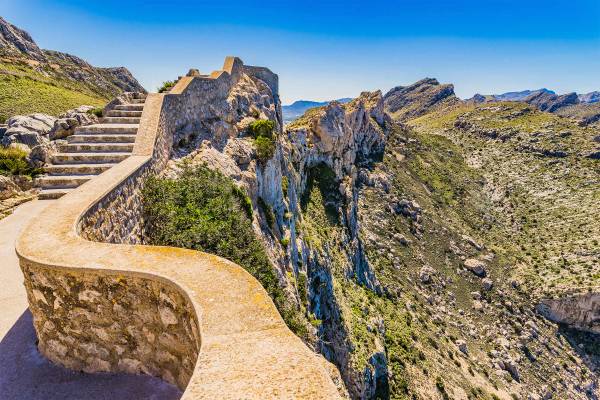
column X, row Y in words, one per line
column 194, row 319
column 98, row 322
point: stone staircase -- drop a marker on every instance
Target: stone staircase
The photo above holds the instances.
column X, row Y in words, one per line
column 93, row 149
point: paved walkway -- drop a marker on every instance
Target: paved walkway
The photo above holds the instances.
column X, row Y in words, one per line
column 24, row 373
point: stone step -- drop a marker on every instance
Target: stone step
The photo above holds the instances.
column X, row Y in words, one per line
column 139, row 95
column 97, row 147
column 107, row 129
column 120, row 120
column 124, row 113
column 129, row 107
column 114, row 138
column 88, row 158
column 63, row 181
column 52, row 194
column 77, row 169
column 138, row 101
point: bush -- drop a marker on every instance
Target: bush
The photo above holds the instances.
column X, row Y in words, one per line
column 204, row 210
column 262, row 132
column 96, row 111
column 265, row 148
column 261, row 127
column 268, row 211
column 14, row 162
column 166, row 86
column 285, row 184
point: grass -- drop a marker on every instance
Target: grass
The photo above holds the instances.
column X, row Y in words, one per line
column 166, row 86
column 204, row 210
column 14, row 162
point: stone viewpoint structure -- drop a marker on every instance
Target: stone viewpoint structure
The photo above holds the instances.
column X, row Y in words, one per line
column 102, row 302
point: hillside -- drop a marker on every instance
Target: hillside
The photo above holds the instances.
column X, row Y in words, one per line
column 36, row 80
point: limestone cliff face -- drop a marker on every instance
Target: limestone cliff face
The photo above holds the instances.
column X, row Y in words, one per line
column 336, row 138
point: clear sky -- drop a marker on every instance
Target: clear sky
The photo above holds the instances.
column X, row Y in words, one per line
column 331, row 49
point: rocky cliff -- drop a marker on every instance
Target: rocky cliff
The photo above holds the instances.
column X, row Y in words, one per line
column 406, row 102
column 407, row 249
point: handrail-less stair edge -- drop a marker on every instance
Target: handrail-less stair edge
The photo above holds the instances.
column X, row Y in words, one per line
column 102, row 303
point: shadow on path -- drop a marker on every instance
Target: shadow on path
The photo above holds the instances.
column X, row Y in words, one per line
column 25, row 374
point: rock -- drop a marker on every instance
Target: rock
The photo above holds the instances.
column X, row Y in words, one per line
column 477, row 305
column 41, row 154
column 487, row 284
column 472, row 242
column 511, row 367
column 426, row 273
column 66, row 123
column 31, row 130
column 462, row 346
column 20, row 146
column 8, row 188
column 401, row 239
column 476, row 295
column 476, row 266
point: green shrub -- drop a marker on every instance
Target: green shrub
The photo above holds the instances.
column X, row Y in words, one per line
column 203, row 210
column 268, row 211
column 265, row 148
column 261, row 127
column 262, row 132
column 96, row 111
column 166, row 86
column 14, row 162
column 285, row 184
column 285, row 242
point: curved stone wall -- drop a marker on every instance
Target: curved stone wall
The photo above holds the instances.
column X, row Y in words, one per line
column 103, row 302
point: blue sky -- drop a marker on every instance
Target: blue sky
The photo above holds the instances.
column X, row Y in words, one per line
column 330, row 49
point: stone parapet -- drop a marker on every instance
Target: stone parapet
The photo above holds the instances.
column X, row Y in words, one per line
column 102, row 302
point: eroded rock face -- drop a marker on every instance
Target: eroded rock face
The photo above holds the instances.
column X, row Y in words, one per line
column 578, row 311
column 340, row 137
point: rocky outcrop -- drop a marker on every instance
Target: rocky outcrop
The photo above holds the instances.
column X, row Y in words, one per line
column 578, row 311
column 31, row 130
column 406, row 102
column 38, row 129
column 15, row 41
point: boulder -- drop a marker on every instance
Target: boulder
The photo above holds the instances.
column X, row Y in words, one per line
column 41, row 154
column 476, row 266
column 462, row 346
column 426, row 273
column 67, row 122
column 31, row 130
column 487, row 284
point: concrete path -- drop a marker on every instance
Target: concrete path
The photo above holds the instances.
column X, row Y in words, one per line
column 24, row 373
